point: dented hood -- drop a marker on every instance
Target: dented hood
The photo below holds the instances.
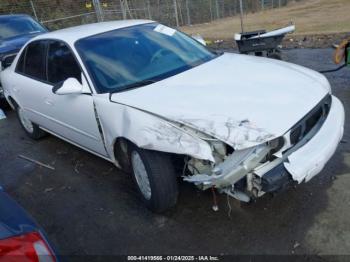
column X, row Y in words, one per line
column 241, row 100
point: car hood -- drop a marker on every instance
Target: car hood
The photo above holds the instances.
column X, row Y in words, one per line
column 241, row 100
column 14, row 44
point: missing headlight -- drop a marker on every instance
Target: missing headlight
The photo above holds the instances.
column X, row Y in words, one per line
column 275, row 145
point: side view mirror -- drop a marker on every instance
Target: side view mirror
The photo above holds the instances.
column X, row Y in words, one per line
column 68, row 87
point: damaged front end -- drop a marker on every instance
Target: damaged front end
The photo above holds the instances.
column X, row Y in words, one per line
column 272, row 166
column 233, row 173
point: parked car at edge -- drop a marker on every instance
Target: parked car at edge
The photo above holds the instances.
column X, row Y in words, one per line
column 21, row 239
column 15, row 31
column 158, row 103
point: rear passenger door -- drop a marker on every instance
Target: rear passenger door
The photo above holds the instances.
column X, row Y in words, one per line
column 72, row 116
column 31, row 86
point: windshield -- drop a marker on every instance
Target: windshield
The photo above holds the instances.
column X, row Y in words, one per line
column 139, row 55
column 16, row 26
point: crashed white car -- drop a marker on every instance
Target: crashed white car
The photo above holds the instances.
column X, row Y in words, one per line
column 158, row 103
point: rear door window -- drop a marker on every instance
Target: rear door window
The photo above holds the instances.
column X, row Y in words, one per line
column 61, row 63
column 34, row 62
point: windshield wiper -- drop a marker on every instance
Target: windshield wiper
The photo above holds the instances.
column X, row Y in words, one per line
column 135, row 85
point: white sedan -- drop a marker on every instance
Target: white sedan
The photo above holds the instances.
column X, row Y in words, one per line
column 159, row 104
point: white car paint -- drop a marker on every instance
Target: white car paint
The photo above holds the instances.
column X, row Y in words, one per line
column 222, row 98
column 320, row 148
column 147, row 131
column 240, row 100
column 58, row 114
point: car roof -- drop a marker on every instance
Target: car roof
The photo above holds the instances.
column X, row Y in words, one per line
column 72, row 34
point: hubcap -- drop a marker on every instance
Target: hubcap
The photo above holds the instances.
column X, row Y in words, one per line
column 27, row 124
column 141, row 175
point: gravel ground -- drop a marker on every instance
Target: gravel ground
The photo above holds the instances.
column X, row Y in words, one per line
column 87, row 206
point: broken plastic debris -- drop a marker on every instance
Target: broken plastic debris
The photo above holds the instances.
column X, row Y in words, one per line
column 296, row 245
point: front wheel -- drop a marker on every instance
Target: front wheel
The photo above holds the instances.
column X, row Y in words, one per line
column 31, row 129
column 155, row 178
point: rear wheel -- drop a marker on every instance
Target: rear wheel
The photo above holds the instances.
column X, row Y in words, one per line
column 31, row 129
column 155, row 178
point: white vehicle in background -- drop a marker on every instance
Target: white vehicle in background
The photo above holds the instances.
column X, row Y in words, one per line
column 161, row 105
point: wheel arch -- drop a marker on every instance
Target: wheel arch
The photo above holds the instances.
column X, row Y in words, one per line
column 12, row 102
column 121, row 152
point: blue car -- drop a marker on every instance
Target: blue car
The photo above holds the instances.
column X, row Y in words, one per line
column 15, row 31
column 20, row 237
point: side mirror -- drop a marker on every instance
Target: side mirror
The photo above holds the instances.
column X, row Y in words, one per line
column 68, row 87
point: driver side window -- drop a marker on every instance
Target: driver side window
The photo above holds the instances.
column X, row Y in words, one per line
column 61, row 63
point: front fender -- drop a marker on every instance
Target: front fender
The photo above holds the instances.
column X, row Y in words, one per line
column 147, row 131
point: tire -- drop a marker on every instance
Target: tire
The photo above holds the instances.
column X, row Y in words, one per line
column 4, row 104
column 31, row 129
column 121, row 153
column 155, row 178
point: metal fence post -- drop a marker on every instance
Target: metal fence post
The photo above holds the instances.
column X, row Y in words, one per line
column 34, row 11
column 149, row 9
column 98, row 10
column 122, row 6
column 188, row 13
column 217, row 9
column 211, row 10
column 262, row 4
column 241, row 11
column 176, row 13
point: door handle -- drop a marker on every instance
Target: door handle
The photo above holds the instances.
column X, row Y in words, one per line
column 15, row 89
column 49, row 102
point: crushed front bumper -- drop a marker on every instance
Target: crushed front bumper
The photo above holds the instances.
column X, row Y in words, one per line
column 294, row 163
column 310, row 159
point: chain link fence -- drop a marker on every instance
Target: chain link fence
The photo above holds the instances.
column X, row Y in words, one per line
column 57, row 14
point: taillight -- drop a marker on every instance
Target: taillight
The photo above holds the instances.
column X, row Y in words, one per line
column 30, row 247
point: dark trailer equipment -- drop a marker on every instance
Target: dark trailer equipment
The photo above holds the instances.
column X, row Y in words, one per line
column 261, row 42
